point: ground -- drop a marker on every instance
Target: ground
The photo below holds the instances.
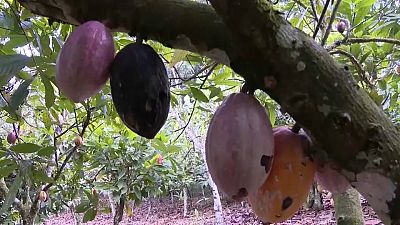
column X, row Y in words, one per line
column 166, row 212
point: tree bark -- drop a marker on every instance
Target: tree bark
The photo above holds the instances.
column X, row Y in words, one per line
column 348, row 210
column 257, row 43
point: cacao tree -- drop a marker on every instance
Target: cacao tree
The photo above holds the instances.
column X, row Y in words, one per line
column 331, row 67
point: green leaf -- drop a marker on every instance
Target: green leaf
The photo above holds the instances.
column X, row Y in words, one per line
column 89, row 215
column 7, row 170
column 19, row 96
column 178, row 56
column 12, row 193
column 198, row 94
column 49, row 92
column 11, row 65
column 46, row 151
column 82, row 207
column 159, row 145
column 25, row 148
column 232, row 83
column 41, row 176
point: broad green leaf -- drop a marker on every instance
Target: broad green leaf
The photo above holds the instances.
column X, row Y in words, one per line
column 11, row 65
column 41, row 176
column 46, row 151
column 25, row 148
column 7, row 170
column 198, row 94
column 178, row 56
column 19, row 96
column 49, row 92
column 232, row 83
column 12, row 193
column 82, row 207
column 159, row 145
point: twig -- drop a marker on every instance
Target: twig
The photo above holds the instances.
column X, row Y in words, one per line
column 329, row 27
column 353, row 59
column 182, row 129
column 321, row 18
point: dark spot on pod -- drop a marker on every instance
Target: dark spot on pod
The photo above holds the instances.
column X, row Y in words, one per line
column 266, row 162
column 242, row 193
column 287, row 202
column 346, row 68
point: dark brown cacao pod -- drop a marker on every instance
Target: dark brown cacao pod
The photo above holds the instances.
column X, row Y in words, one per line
column 140, row 89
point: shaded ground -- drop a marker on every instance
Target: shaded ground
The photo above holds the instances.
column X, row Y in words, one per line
column 201, row 212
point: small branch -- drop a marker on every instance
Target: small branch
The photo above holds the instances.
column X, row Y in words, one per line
column 182, row 129
column 321, row 18
column 329, row 27
column 353, row 59
column 348, row 41
column 366, row 40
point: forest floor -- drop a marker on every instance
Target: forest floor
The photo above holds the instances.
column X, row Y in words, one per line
column 164, row 211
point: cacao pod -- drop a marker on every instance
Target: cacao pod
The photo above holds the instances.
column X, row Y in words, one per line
column 43, row 196
column 140, row 89
column 78, row 141
column 84, row 62
column 290, row 180
column 239, row 145
column 341, row 26
column 11, row 138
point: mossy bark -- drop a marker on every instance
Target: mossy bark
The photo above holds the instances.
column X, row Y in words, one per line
column 348, row 210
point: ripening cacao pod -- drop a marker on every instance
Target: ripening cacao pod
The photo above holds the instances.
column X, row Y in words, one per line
column 239, row 145
column 341, row 26
column 84, row 62
column 290, row 180
column 43, row 196
column 140, row 89
column 11, row 138
column 78, row 141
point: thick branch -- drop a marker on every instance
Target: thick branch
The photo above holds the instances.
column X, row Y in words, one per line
column 313, row 88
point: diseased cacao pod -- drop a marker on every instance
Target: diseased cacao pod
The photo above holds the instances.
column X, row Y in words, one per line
column 11, row 138
column 239, row 145
column 290, row 180
column 140, row 89
column 84, row 62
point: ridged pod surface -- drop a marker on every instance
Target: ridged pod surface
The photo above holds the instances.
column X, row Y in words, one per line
column 290, row 180
column 239, row 145
column 140, row 89
column 84, row 62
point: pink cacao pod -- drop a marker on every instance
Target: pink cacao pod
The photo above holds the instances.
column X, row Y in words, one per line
column 84, row 62
column 239, row 146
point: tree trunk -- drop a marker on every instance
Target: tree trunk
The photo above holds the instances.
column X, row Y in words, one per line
column 314, row 199
column 112, row 203
column 185, row 202
column 120, row 211
column 348, row 210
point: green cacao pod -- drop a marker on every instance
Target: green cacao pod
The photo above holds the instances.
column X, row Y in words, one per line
column 140, row 89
